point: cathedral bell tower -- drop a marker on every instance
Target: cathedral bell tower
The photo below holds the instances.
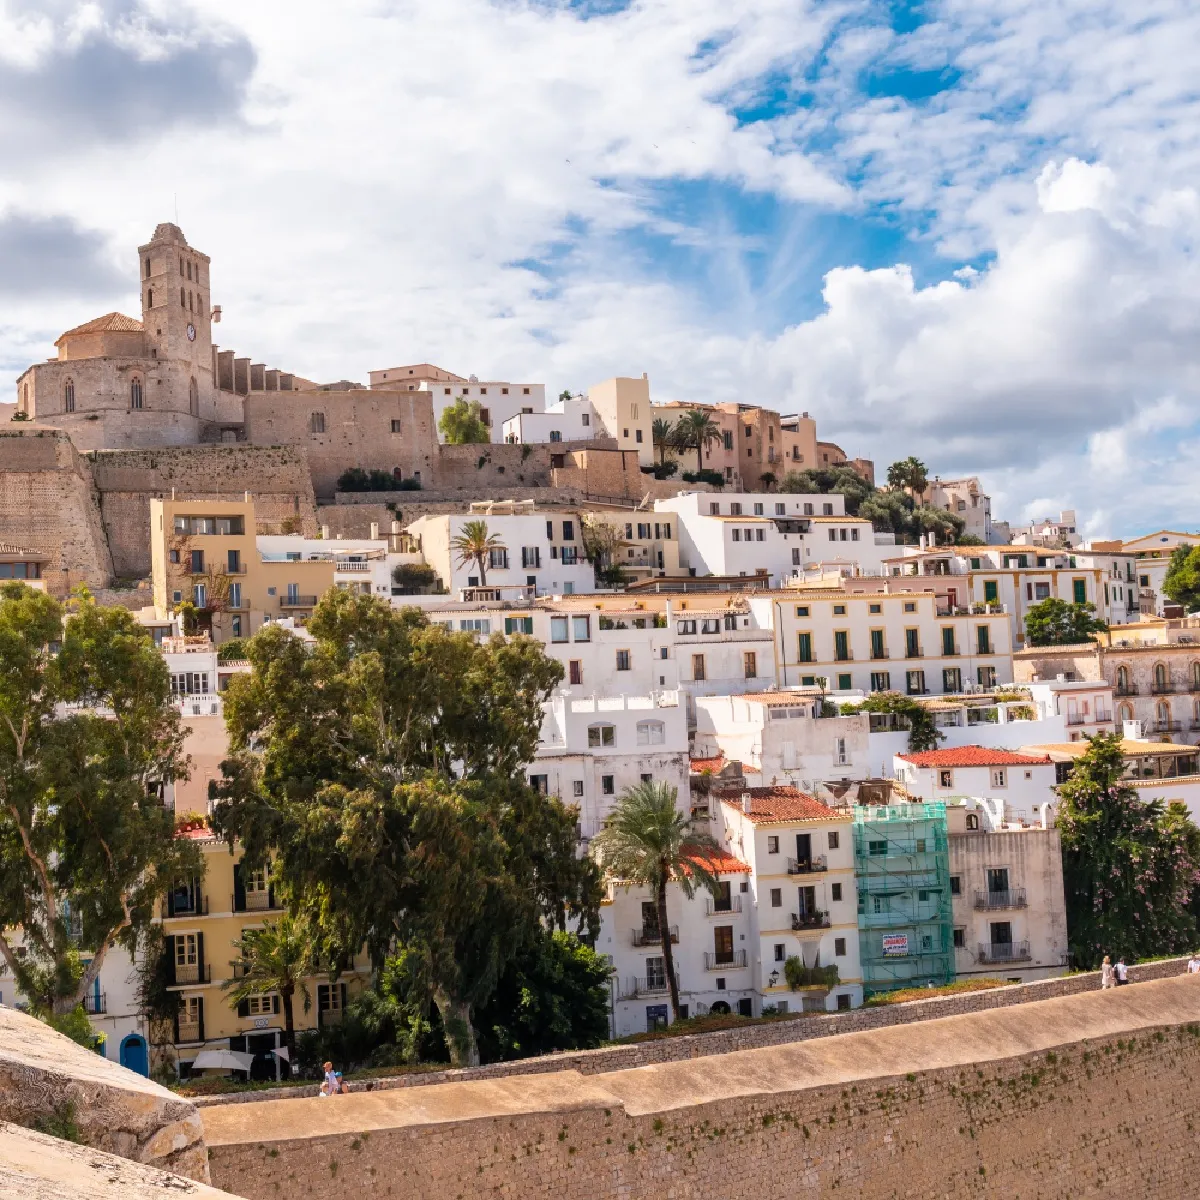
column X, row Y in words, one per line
column 177, row 302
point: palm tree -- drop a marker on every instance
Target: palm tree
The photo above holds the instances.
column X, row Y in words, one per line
column 697, row 431
column 646, row 840
column 662, row 435
column 275, row 958
column 908, row 474
column 475, row 544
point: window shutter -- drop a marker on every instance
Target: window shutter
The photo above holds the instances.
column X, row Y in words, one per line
column 200, row 957
column 175, row 1028
column 343, row 995
column 201, row 1005
column 169, row 951
column 243, row 1008
column 239, row 889
column 322, row 1002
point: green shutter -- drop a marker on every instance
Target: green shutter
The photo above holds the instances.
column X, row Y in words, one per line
column 983, row 640
column 806, row 654
column 991, row 591
column 947, row 640
column 1080, row 586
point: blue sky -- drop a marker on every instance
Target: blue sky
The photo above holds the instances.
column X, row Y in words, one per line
column 962, row 231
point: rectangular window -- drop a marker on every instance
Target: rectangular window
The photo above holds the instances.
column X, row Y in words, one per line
column 568, row 531
column 581, row 628
column 1079, row 587
column 498, row 559
column 986, row 676
column 750, row 664
column 916, row 683
column 951, row 680
column 531, row 557
column 833, row 535
column 956, row 885
column 396, row 427
column 558, row 629
column 912, row 643
column 983, row 640
column 518, row 625
column 960, row 939
column 835, row 840
column 735, row 509
column 839, row 949
column 577, row 788
column 601, row 735
column 835, row 891
column 841, row 646
column 235, row 595
column 999, row 777
column 877, row 848
column 776, row 897
column 991, row 591
column 698, row 671
column 623, row 660
column 736, row 535
column 948, row 640
column 780, row 951
column 773, row 843
column 806, row 650
column 608, row 786
column 881, row 681
column 760, row 535
column 575, row 671
column 877, row 647
column 197, row 562
column 727, row 438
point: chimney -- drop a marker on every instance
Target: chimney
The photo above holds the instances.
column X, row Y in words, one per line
column 747, row 803
column 374, row 531
column 325, row 532
column 397, row 527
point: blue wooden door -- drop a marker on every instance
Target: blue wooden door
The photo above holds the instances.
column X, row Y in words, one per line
column 133, row 1054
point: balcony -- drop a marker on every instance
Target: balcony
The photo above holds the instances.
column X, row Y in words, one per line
column 1163, row 687
column 295, row 600
column 807, row 866
column 1012, row 898
column 1126, row 689
column 176, row 905
column 721, row 908
column 1166, row 726
column 351, row 566
column 633, row 989
column 191, row 1031
column 727, row 961
column 329, row 1016
column 95, row 1005
column 982, row 716
column 1004, row 952
column 261, row 901
column 192, row 973
column 651, row 936
column 813, row 920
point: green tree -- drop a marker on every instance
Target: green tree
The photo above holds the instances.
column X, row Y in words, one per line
column 646, row 840
column 696, row 430
column 276, row 958
column 552, row 996
column 662, row 433
column 1182, row 580
column 88, row 737
column 461, row 424
column 923, row 733
column 414, row 579
column 908, row 474
column 474, row 544
column 1055, row 622
column 1129, row 865
column 969, row 539
column 602, row 541
column 381, row 770
column 564, row 395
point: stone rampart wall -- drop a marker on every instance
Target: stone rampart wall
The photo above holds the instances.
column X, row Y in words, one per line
column 747, row 1037
column 1086, row 1095
column 277, row 478
column 48, row 503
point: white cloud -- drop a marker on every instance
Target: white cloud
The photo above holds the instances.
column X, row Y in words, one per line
column 490, row 185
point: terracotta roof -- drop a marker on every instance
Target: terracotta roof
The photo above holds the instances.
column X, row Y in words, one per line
column 777, row 697
column 723, row 863
column 973, row 756
column 707, row 764
column 113, row 322
column 769, row 805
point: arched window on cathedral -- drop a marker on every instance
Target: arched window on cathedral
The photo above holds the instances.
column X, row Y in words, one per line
column 193, row 398
column 149, row 297
column 181, row 264
column 135, row 393
column 147, row 268
column 183, row 297
column 69, row 396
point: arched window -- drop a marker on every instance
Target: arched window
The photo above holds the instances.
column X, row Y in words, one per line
column 183, row 297
column 135, row 393
column 602, row 735
column 1125, row 713
column 1160, row 677
column 189, row 301
column 149, row 297
column 1123, row 680
column 189, row 270
column 69, row 396
column 181, row 264
column 199, row 304
column 316, row 423
column 650, row 733
column 147, row 268
column 1196, row 714
column 1162, row 714
column 193, row 397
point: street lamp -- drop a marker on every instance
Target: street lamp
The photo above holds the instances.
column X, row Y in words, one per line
column 774, row 978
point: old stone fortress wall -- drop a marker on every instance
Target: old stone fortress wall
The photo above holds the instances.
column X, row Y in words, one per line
column 133, row 409
column 1056, row 1089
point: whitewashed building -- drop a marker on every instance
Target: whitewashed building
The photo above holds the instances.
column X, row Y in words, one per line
column 1023, row 781
column 564, row 420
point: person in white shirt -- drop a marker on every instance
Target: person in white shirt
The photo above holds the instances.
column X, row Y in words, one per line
column 1194, row 965
column 1122, row 971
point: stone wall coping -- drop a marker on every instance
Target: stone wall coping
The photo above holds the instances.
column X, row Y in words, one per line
column 726, row 1041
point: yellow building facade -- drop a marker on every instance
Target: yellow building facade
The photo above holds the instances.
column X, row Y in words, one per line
column 206, row 553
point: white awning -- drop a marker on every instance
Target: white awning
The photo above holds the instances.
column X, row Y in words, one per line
column 282, row 1052
column 228, row 1060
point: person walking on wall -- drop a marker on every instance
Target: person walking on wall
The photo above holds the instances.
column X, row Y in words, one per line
column 1106, row 973
column 1122, row 971
column 1194, row 963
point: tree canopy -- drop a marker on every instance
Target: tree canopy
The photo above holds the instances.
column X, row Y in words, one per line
column 382, row 772
column 923, row 733
column 909, row 474
column 696, row 430
column 1182, row 580
column 1055, row 622
column 88, row 739
column 475, row 544
column 461, row 424
column 1130, row 866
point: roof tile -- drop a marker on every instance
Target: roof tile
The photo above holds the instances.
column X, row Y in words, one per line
column 973, row 756
column 780, row 804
